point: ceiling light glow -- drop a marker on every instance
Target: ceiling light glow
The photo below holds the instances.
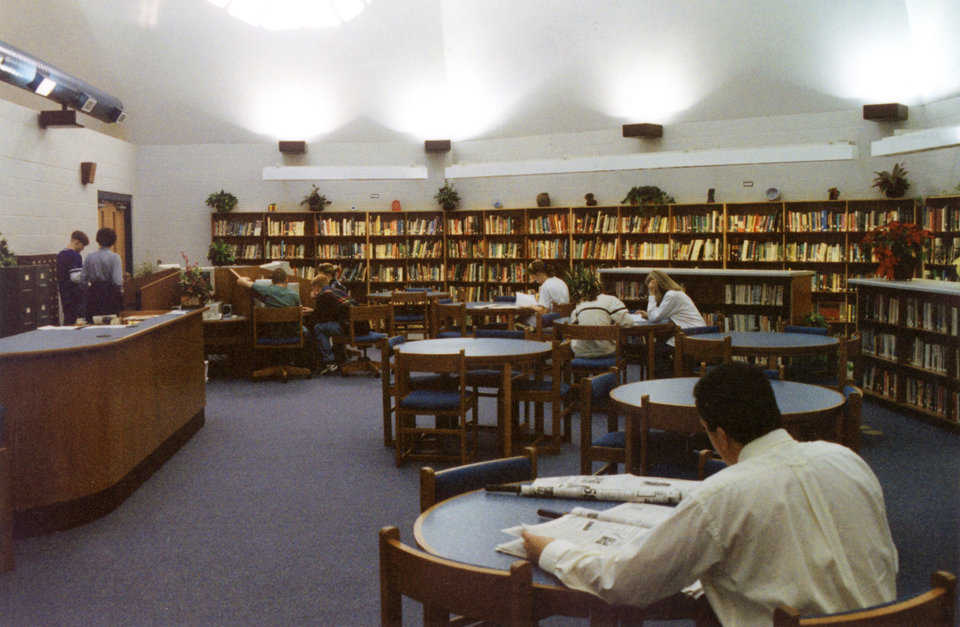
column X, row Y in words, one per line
column 293, row 14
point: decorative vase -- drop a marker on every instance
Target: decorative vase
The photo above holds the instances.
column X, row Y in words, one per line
column 543, row 199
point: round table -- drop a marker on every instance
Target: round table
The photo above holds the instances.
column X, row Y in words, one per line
column 799, row 403
column 771, row 344
column 494, row 353
column 386, row 295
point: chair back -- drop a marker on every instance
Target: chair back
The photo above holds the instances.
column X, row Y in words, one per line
column 563, row 309
column 436, row 486
column 444, row 587
column 680, row 419
column 411, row 311
column 794, row 328
column 594, row 333
column 934, row 608
column 408, row 363
column 691, row 356
column 379, row 317
column 848, row 352
column 448, row 319
column 277, row 327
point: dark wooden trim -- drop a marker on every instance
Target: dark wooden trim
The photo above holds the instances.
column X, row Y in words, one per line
column 65, row 515
column 437, row 145
column 888, row 112
column 643, row 130
column 292, row 147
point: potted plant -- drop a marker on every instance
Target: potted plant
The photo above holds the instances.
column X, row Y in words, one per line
column 647, row 195
column 447, row 197
column 582, row 281
column 315, row 200
column 7, row 258
column 194, row 287
column 897, row 248
column 220, row 253
column 893, row 184
column 222, row 202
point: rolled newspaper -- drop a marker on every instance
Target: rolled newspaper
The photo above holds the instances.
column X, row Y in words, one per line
column 641, row 494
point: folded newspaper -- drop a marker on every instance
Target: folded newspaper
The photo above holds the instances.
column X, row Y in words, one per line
column 628, row 488
column 627, row 523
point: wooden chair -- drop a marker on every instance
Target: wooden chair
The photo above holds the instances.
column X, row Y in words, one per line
column 848, row 353
column 448, row 320
column 6, row 500
column 672, row 429
column 556, row 389
column 611, row 447
column 584, row 366
column 444, row 587
column 411, row 313
column 436, row 486
column 380, row 319
column 278, row 329
column 449, row 406
column 934, row 608
column 692, row 356
column 850, row 417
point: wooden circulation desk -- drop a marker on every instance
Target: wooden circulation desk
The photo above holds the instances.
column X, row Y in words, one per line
column 93, row 412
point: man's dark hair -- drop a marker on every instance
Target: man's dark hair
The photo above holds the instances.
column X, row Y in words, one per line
column 738, row 397
column 538, row 265
column 278, row 276
column 106, row 237
column 81, row 237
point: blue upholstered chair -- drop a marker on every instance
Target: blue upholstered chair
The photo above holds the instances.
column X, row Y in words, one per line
column 609, row 448
column 448, row 319
column 555, row 386
column 278, row 332
column 380, row 321
column 584, row 366
column 411, row 312
column 6, row 500
column 436, row 486
column 449, row 407
column 692, row 357
column 851, row 417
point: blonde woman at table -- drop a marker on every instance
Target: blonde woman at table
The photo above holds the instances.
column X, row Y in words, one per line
column 596, row 309
column 786, row 522
column 667, row 301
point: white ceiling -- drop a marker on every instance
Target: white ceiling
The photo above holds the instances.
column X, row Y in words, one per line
column 188, row 72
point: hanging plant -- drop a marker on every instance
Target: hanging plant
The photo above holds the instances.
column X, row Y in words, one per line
column 222, row 202
column 447, row 197
column 7, row 258
column 893, row 184
column 221, row 253
column 647, row 195
column 315, row 200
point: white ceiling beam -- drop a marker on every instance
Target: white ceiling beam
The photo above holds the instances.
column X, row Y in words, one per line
column 914, row 141
column 343, row 173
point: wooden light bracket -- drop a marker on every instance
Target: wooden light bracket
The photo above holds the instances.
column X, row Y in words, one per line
column 88, row 171
column 650, row 131
column 889, row 112
column 437, row 145
column 293, row 147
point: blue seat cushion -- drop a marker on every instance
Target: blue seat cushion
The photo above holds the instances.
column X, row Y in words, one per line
column 532, row 385
column 600, row 390
column 431, row 400
column 698, row 330
column 402, row 317
column 500, row 333
column 278, row 341
column 594, row 363
column 449, row 334
column 617, row 439
column 369, row 338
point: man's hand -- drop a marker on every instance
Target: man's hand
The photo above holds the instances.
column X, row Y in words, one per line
column 245, row 282
column 641, row 312
column 539, row 308
column 534, row 545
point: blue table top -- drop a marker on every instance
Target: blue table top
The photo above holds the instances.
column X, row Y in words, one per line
column 770, row 340
column 476, row 347
column 74, row 338
column 467, row 528
column 792, row 397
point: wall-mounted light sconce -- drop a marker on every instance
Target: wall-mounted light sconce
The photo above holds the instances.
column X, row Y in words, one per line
column 88, row 171
column 293, row 147
column 437, row 145
column 62, row 117
column 645, row 130
column 889, row 112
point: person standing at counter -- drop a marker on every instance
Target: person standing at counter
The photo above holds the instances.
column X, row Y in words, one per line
column 71, row 294
column 103, row 270
column 667, row 301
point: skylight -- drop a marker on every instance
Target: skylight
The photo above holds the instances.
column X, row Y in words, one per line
column 293, row 14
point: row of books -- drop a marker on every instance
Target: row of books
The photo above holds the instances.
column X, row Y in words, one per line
column 391, row 250
column 595, row 249
column 865, row 220
column 814, row 251
column 646, row 224
column 601, row 222
column 497, row 224
column 549, row 249
column 339, row 251
column 646, row 250
column 931, row 316
column 384, row 226
column 816, row 221
column 696, row 250
column 750, row 322
column 930, row 356
column 548, row 223
column 753, row 294
column 462, row 248
column 881, row 308
column 754, row 250
column 883, row 345
column 829, row 282
column 230, row 228
column 286, row 250
column 424, row 272
column 753, row 222
column 246, row 251
column 426, row 249
column 330, row 227
column 504, row 250
column 944, row 250
column 882, row 381
column 941, row 218
column 505, row 273
column 464, row 272
column 466, row 225
column 928, row 396
column 282, row 228
column 424, row 226
column 709, row 222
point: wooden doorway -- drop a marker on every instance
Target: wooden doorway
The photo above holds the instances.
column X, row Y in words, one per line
column 114, row 211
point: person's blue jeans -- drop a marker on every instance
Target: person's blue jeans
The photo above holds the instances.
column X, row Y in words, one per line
column 323, row 332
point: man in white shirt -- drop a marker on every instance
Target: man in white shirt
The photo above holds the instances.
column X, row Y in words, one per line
column 553, row 290
column 800, row 523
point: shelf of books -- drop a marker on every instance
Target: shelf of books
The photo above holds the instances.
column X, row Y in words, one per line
column 696, row 234
column 941, row 216
column 910, row 346
column 596, row 236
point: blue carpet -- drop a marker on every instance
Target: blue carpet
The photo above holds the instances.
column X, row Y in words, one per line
column 269, row 515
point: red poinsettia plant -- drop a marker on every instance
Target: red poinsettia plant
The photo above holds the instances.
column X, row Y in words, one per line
column 896, row 247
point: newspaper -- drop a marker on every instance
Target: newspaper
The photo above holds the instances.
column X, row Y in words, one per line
column 626, row 487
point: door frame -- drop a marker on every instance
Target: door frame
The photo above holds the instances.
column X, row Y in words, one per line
column 127, row 201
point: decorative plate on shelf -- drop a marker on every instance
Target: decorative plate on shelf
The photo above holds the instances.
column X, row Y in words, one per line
column 772, row 193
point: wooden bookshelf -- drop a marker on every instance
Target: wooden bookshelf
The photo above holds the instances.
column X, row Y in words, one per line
column 910, row 347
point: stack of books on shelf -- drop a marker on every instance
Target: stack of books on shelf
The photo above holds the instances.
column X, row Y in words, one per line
column 331, row 227
column 599, row 222
column 753, row 223
column 228, row 228
column 696, row 223
column 386, row 226
column 753, row 294
column 466, row 225
column 424, row 226
column 550, row 223
column 281, row 228
column 464, row 248
column 816, row 221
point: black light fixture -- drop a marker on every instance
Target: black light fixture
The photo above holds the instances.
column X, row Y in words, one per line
column 22, row 70
column 437, row 145
column 61, row 117
column 888, row 112
column 292, row 147
column 645, row 130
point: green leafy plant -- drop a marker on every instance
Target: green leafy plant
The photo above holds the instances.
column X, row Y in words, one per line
column 815, row 319
column 222, row 201
column 892, row 184
column 220, row 253
column 144, row 269
column 315, row 200
column 7, row 258
column 583, row 282
column 447, row 197
column 647, row 195
column 193, row 283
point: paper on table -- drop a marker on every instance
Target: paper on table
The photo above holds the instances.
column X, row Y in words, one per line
column 637, row 317
column 50, row 327
column 525, row 300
